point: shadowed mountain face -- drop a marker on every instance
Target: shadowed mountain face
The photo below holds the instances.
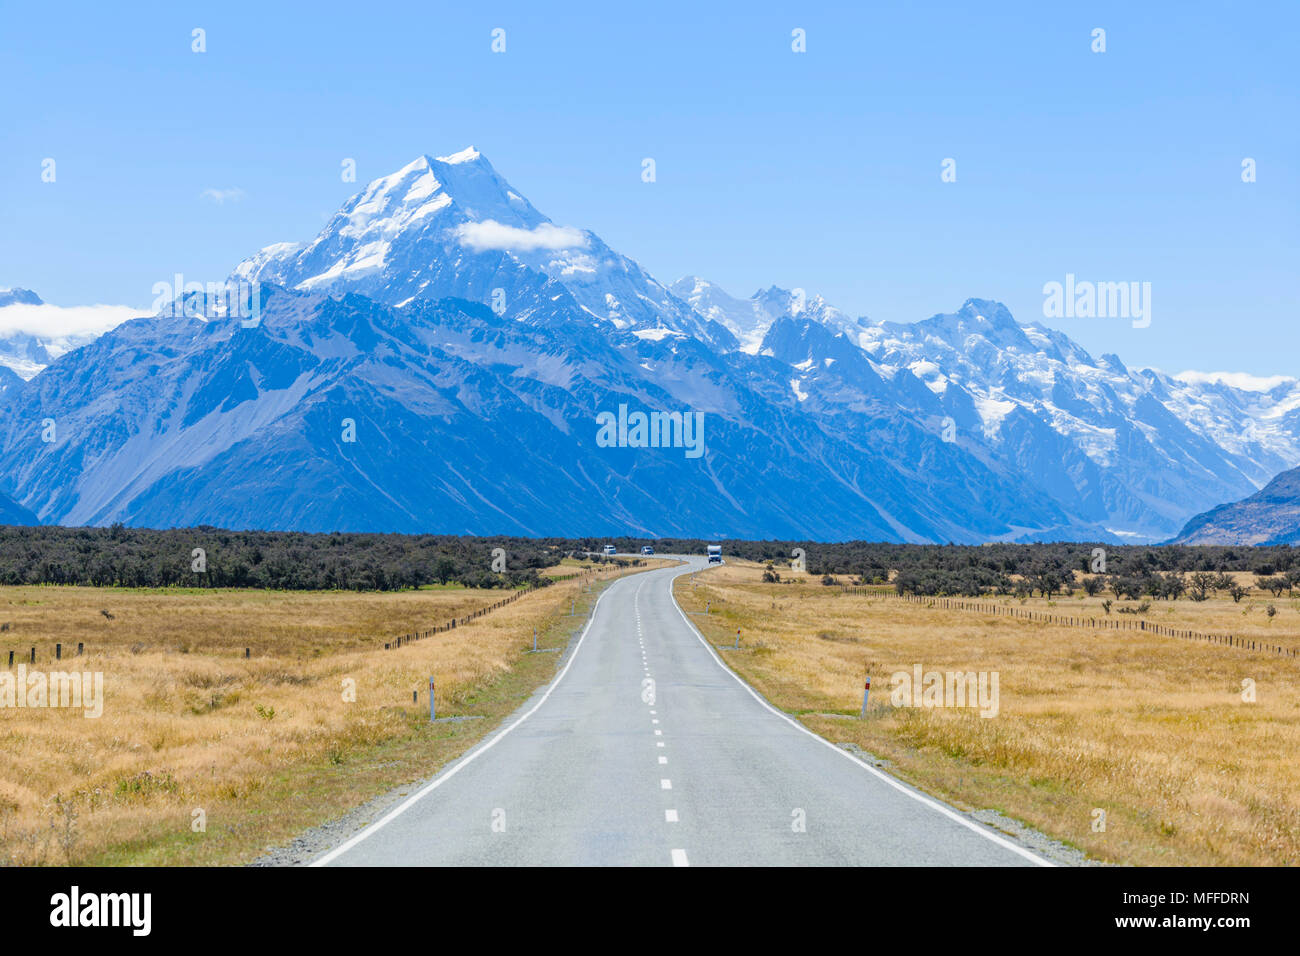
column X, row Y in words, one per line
column 347, row 414
column 1270, row 516
column 437, row 359
column 11, row 512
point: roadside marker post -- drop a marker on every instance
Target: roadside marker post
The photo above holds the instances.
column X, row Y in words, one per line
column 433, row 711
column 737, row 647
column 534, row 638
column 866, row 690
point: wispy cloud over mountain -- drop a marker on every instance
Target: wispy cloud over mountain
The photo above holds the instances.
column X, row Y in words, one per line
column 34, row 333
column 491, row 234
column 56, row 321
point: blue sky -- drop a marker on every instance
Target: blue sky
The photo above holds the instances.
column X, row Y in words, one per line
column 818, row 170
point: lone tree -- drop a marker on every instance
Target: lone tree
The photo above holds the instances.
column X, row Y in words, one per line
column 1277, row 584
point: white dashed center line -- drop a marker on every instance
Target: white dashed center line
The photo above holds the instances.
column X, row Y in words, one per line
column 678, row 856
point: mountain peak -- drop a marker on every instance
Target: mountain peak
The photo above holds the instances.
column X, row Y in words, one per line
column 424, row 161
column 17, row 296
column 428, row 185
column 990, row 311
column 467, row 155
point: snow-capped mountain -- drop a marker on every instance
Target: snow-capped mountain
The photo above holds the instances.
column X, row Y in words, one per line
column 1124, row 449
column 1134, row 446
column 453, row 227
column 468, row 344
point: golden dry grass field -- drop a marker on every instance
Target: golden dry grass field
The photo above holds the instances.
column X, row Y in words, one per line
column 1157, row 732
column 266, row 746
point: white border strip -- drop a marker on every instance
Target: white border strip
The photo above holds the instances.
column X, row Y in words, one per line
column 467, row 759
column 896, row 784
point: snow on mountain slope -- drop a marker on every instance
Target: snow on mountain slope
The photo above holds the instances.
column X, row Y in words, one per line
column 1255, row 419
column 1130, row 443
column 1139, row 422
column 749, row 319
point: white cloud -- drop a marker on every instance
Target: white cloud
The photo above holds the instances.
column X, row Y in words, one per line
column 220, row 196
column 1242, row 380
column 54, row 322
column 491, row 234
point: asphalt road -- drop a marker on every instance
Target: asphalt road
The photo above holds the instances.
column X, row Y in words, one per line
column 605, row 768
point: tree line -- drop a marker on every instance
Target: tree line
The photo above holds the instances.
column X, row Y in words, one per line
column 136, row 557
column 210, row 557
column 873, row 562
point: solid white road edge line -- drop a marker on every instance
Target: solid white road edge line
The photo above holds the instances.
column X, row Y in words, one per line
column 896, row 784
column 465, row 760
